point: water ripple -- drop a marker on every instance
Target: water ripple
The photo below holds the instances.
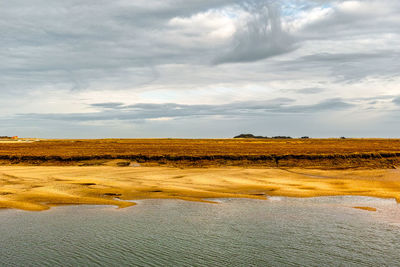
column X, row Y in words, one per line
column 176, row 233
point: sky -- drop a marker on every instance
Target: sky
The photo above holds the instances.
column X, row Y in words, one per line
column 199, row 68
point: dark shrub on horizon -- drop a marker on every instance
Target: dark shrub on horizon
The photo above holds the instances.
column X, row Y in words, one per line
column 281, row 137
column 261, row 137
column 250, row 136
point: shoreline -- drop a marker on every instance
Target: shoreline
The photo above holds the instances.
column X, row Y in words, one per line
column 37, row 188
column 361, row 203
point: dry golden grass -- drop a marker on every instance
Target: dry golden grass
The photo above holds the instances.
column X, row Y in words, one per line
column 324, row 153
column 199, row 147
column 41, row 187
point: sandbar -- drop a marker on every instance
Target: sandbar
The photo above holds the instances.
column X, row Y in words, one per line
column 37, row 188
column 366, row 208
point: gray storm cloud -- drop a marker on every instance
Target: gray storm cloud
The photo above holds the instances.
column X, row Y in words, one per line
column 145, row 111
column 260, row 36
column 68, row 66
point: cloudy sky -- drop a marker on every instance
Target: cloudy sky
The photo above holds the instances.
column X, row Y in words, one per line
column 199, row 68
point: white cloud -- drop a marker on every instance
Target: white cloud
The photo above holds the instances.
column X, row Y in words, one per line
column 304, row 18
column 62, row 56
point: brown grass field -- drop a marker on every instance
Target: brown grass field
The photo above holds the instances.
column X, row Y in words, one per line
column 38, row 175
column 307, row 153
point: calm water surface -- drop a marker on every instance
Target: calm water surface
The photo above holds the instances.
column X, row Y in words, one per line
column 236, row 232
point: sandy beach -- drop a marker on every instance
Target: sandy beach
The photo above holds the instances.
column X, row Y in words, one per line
column 37, row 188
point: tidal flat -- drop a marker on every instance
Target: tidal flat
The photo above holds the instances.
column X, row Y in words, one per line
column 38, row 188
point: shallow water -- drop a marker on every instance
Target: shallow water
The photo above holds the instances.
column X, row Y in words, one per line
column 237, row 232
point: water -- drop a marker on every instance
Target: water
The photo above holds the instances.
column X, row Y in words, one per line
column 236, row 232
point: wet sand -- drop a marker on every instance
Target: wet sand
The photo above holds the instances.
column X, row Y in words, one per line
column 37, row 188
column 366, row 208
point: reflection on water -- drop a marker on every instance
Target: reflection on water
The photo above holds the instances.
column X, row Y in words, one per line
column 236, row 232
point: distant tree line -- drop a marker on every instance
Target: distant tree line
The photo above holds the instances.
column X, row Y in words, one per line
column 272, row 137
column 264, row 137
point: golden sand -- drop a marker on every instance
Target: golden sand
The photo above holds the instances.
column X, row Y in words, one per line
column 38, row 188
